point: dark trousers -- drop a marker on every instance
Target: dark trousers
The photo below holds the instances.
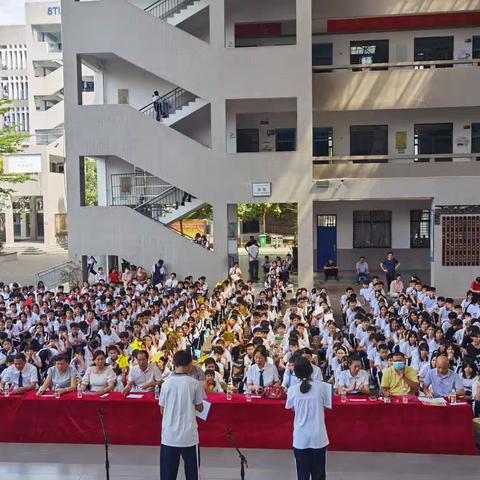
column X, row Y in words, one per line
column 390, row 277
column 253, row 270
column 310, row 463
column 170, row 461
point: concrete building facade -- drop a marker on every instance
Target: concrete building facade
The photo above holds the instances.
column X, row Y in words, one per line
column 364, row 113
column 32, row 78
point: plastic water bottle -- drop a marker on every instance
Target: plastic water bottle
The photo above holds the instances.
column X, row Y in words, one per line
column 157, row 392
column 405, row 395
column 6, row 392
column 79, row 390
column 229, row 390
column 453, row 396
column 248, row 395
column 386, row 397
column 57, row 391
column 343, row 393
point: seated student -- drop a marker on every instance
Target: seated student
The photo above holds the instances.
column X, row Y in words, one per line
column 330, row 270
column 361, row 268
column 211, row 367
column 22, row 376
column 308, row 354
column 261, row 374
column 61, row 377
column 399, row 378
column 354, row 380
column 289, row 378
column 144, row 376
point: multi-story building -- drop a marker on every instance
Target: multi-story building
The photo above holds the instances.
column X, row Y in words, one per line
column 366, row 113
column 32, row 78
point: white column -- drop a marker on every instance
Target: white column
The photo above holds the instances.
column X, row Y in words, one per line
column 102, row 186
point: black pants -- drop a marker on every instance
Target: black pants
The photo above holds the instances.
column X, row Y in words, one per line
column 310, row 463
column 253, row 270
column 390, row 277
column 170, row 461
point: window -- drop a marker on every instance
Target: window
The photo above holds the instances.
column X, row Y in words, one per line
column 326, row 220
column 372, row 229
column 433, row 48
column 322, row 54
column 476, row 46
column 369, row 140
column 476, row 138
column 323, row 142
column 433, row 138
column 460, row 240
column 247, row 140
column 285, row 140
column 250, row 226
column 419, row 228
column 366, row 52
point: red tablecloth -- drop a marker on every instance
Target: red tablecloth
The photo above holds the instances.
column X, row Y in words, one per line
column 366, row 426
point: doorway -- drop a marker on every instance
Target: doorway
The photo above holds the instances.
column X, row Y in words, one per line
column 326, row 240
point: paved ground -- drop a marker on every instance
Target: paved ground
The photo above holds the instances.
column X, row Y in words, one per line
column 85, row 462
column 22, row 268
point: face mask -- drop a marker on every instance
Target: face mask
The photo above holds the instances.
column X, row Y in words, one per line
column 398, row 365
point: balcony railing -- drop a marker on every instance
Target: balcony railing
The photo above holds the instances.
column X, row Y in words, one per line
column 397, row 159
column 419, row 65
column 48, row 138
column 133, row 190
column 166, row 8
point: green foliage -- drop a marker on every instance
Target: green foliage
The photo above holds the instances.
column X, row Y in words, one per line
column 10, row 142
column 259, row 211
column 91, row 186
column 204, row 213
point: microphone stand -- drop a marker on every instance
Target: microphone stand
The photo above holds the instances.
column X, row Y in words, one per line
column 106, row 441
column 243, row 460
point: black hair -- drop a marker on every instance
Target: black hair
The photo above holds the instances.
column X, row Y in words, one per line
column 303, row 370
column 182, row 358
column 98, row 353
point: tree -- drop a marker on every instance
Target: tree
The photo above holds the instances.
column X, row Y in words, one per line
column 91, row 186
column 10, row 142
column 259, row 211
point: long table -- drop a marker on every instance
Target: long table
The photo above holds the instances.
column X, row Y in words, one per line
column 359, row 424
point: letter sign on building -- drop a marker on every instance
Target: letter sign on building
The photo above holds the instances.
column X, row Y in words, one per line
column 54, row 11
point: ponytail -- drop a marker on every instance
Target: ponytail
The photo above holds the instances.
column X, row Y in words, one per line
column 303, row 370
column 305, row 385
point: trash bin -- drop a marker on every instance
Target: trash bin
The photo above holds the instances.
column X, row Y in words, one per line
column 262, row 240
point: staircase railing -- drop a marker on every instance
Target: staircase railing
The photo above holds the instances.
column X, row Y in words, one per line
column 134, row 189
column 168, row 104
column 165, row 8
column 162, row 205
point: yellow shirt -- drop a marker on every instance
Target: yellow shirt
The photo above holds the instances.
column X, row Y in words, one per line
column 393, row 382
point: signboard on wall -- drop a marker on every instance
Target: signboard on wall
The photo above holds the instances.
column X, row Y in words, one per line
column 401, row 141
column 262, row 189
column 22, row 163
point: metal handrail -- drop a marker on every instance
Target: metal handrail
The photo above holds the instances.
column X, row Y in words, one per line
column 156, row 198
column 163, row 204
column 407, row 158
column 165, row 8
column 377, row 66
column 170, row 102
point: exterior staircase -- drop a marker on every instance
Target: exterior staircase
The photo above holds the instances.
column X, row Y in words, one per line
column 33, row 248
column 174, row 106
column 176, row 12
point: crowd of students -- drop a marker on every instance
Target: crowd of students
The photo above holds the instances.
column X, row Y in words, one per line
column 120, row 334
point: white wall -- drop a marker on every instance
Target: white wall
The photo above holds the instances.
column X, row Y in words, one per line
column 118, row 74
column 400, row 120
column 198, row 126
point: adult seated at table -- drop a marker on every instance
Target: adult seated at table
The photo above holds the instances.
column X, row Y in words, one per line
column 330, row 270
column 61, row 376
column 22, row 376
column 144, row 376
column 399, row 378
column 99, row 378
column 354, row 380
column 441, row 381
column 261, row 374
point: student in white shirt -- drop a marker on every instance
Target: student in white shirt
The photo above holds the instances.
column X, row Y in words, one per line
column 181, row 397
column 261, row 374
column 309, row 399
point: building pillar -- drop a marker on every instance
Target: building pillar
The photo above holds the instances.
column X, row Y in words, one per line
column 305, row 244
column 232, row 234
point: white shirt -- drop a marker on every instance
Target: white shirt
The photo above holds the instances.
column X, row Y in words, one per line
column 139, row 377
column 252, row 252
column 309, row 430
column 29, row 374
column 178, row 396
column 357, row 383
column 270, row 375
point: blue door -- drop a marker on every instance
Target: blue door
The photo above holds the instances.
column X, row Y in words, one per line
column 326, row 240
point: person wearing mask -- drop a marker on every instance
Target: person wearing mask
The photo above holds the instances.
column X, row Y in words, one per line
column 308, row 399
column 399, row 378
column 180, row 398
column 441, row 381
column 61, row 376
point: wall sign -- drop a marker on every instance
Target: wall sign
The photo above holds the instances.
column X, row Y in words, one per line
column 22, row 163
column 262, row 189
column 54, row 11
